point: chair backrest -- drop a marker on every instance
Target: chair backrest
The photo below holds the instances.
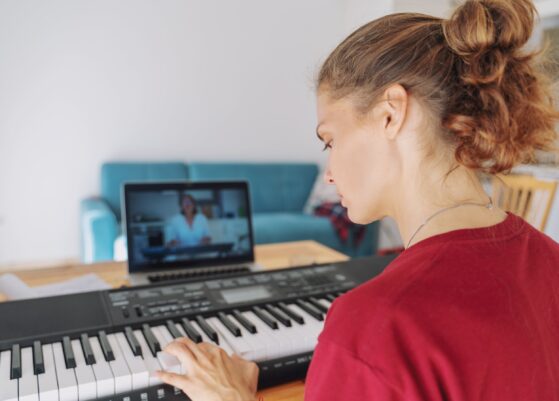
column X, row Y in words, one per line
column 525, row 196
column 274, row 187
column 114, row 174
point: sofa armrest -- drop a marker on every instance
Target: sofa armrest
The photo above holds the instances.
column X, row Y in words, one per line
column 99, row 229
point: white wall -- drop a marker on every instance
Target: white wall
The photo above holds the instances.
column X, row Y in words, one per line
column 359, row 12
column 82, row 82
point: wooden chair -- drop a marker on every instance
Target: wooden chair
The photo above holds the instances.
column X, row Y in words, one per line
column 525, row 196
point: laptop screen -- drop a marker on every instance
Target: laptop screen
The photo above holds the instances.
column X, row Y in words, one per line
column 187, row 224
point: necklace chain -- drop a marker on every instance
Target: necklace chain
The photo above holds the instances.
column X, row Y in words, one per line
column 486, row 205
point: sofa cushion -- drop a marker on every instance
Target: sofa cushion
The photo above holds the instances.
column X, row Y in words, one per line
column 274, row 187
column 283, row 227
column 113, row 175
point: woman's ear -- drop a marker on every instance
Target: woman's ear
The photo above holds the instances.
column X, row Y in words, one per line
column 394, row 107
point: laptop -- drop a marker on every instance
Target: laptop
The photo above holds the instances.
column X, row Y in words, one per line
column 183, row 230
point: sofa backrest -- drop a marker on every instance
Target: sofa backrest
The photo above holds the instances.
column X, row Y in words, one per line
column 114, row 174
column 274, row 187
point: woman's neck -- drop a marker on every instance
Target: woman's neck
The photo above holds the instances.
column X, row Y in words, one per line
column 423, row 198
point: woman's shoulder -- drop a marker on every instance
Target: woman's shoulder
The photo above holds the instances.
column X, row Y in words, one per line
column 200, row 217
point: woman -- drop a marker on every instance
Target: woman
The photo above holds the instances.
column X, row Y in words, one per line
column 188, row 228
column 412, row 109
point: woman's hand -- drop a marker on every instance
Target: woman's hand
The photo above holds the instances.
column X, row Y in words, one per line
column 211, row 374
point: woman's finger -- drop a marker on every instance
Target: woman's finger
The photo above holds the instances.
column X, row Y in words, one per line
column 183, row 353
column 174, row 379
column 196, row 349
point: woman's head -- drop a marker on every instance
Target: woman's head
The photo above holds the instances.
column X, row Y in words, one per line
column 187, row 204
column 407, row 92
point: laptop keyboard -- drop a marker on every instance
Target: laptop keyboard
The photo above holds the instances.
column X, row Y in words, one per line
column 157, row 278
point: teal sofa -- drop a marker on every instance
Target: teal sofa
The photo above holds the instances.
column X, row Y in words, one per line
column 278, row 193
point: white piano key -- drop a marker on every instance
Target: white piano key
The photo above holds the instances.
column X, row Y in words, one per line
column 222, row 344
column 67, row 384
column 164, row 338
column 87, row 389
column 102, row 371
column 167, row 361
column 312, row 327
column 269, row 337
column 28, row 386
column 292, row 336
column 8, row 387
column 136, row 365
column 151, row 362
column 259, row 349
column 48, row 385
column 324, row 302
column 260, row 344
column 238, row 345
column 121, row 373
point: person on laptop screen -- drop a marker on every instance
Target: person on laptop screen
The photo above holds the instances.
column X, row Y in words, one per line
column 189, row 227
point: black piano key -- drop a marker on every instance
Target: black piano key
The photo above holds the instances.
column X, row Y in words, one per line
column 173, row 329
column 265, row 317
column 69, row 357
column 190, row 331
column 244, row 321
column 311, row 310
column 87, row 351
column 106, row 347
column 278, row 315
column 314, row 302
column 153, row 343
column 133, row 341
column 15, row 371
column 228, row 323
column 330, row 297
column 211, row 333
column 38, row 360
column 289, row 312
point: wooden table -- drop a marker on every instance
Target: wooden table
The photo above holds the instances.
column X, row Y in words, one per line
column 270, row 256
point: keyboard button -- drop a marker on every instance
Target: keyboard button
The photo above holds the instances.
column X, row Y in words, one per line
column 210, row 332
column 289, row 312
column 69, row 356
column 317, row 304
column 38, row 361
column 190, row 331
column 265, row 317
column 278, row 315
column 173, row 329
column 152, row 342
column 16, row 363
column 311, row 310
column 87, row 352
column 228, row 323
column 244, row 321
column 106, row 347
column 132, row 341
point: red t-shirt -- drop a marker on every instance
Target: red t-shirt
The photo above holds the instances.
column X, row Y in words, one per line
column 468, row 315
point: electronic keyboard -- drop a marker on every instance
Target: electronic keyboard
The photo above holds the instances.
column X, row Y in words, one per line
column 103, row 345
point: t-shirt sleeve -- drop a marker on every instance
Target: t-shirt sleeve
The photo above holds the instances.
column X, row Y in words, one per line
column 335, row 374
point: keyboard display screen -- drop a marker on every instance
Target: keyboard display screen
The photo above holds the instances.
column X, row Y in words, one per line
column 245, row 294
